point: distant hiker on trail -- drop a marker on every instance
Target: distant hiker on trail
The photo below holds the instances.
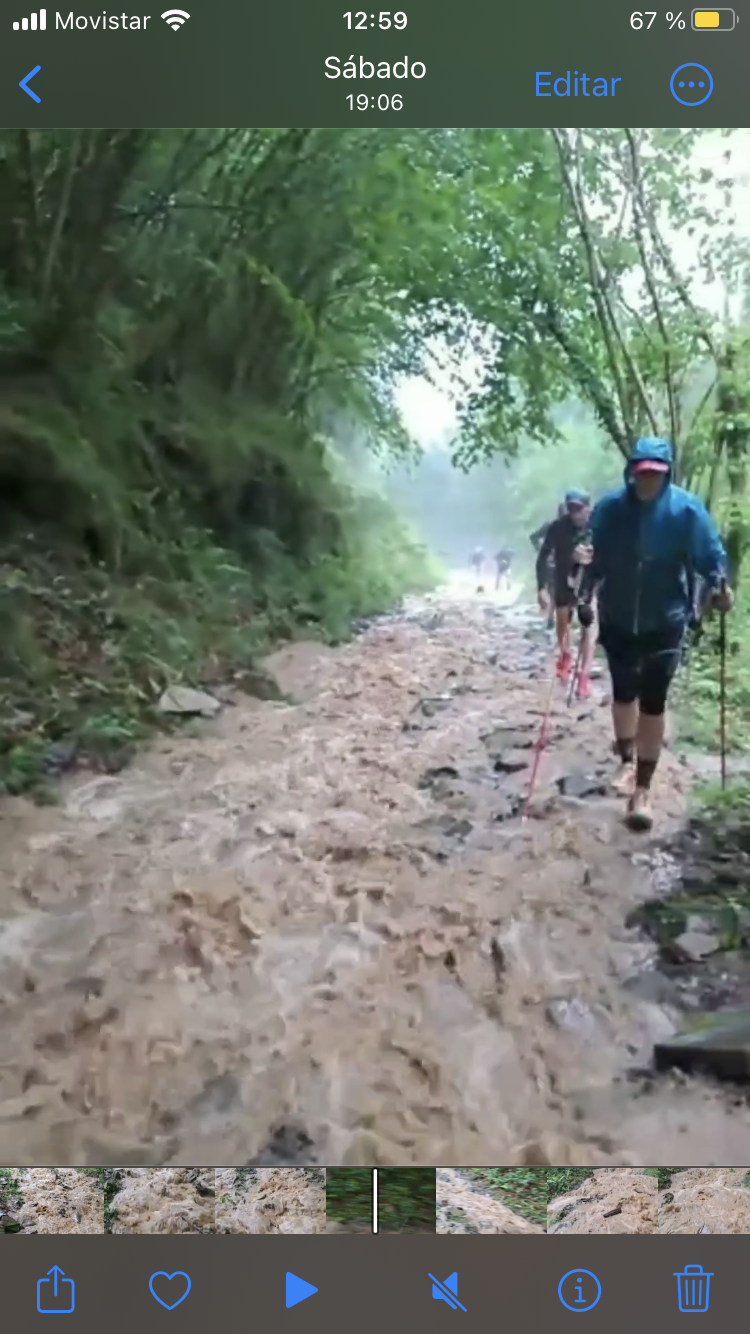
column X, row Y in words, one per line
column 477, row 565
column 504, row 564
column 650, row 539
column 476, row 560
column 537, row 537
column 567, row 544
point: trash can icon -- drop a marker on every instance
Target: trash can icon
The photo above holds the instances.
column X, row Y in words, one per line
column 692, row 1288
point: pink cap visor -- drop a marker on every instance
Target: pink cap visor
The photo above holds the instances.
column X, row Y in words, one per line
column 649, row 465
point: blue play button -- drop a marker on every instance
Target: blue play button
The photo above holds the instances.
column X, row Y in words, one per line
column 297, row 1290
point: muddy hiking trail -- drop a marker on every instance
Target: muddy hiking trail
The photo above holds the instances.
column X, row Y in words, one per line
column 319, row 932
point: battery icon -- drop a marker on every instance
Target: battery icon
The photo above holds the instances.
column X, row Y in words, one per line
column 713, row 20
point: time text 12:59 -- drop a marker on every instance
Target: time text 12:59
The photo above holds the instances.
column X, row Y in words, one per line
column 384, row 19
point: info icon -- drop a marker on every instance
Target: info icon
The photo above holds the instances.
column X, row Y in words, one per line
column 691, row 85
column 579, row 1290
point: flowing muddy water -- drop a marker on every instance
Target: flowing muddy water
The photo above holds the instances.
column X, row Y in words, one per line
column 319, row 932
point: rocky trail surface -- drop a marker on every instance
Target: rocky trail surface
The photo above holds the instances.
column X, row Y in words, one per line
column 260, row 1200
column 163, row 1200
column 612, row 1200
column 319, row 932
column 44, row 1200
column 706, row 1199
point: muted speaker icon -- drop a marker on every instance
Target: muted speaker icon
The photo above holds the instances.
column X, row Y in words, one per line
column 446, row 1291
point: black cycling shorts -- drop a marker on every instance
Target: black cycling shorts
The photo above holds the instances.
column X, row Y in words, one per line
column 565, row 594
column 642, row 666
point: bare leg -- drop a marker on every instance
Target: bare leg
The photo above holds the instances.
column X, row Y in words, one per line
column 589, row 644
column 650, row 737
column 562, row 627
column 625, row 722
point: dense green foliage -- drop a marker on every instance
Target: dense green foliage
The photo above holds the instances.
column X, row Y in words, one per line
column 198, row 328
column 406, row 1197
column 522, row 1189
column 349, row 1195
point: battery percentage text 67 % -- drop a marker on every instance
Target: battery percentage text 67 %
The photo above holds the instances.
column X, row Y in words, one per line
column 636, row 19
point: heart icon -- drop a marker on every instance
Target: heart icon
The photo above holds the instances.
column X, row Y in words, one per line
column 162, row 1273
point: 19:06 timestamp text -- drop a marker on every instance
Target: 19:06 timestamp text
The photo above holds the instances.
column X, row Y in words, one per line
column 385, row 19
column 383, row 102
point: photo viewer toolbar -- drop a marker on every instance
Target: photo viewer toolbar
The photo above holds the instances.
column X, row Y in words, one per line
column 322, row 1285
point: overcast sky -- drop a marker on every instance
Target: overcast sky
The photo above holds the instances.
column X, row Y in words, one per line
column 428, row 412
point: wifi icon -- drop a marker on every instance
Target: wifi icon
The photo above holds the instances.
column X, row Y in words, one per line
column 175, row 18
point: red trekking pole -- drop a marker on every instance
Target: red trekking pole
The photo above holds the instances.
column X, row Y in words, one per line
column 581, row 639
column 723, row 689
column 541, row 743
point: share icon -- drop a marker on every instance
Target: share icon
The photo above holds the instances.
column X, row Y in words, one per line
column 446, row 1291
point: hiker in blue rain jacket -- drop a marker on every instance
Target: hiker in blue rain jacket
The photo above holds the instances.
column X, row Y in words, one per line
column 649, row 541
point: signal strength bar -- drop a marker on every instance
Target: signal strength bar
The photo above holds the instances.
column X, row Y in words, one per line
column 33, row 23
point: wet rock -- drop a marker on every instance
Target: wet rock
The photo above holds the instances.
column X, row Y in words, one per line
column 191, row 703
column 693, row 946
column 431, row 776
column 572, row 1015
column 501, row 739
column 60, row 757
column 9, row 1224
column 507, row 808
column 452, row 827
column 88, row 986
column 430, row 706
column 716, row 1045
column 580, row 784
column 289, row 1145
column 433, row 622
column 511, row 762
column 698, row 876
column 260, row 685
column 218, row 1095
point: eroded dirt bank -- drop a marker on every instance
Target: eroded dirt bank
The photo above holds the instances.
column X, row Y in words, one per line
column 319, row 932
column 464, row 1207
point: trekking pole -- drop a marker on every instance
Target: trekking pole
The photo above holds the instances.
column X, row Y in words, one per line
column 581, row 640
column 541, row 743
column 576, row 670
column 723, row 690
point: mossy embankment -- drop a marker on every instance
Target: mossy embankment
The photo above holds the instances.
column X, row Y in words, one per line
column 145, row 542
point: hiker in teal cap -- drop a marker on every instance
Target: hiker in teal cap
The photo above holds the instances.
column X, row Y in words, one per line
column 650, row 539
column 566, row 544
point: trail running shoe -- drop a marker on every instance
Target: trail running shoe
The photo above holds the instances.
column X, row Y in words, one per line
column 583, row 689
column 623, row 782
column 639, row 816
column 564, row 666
